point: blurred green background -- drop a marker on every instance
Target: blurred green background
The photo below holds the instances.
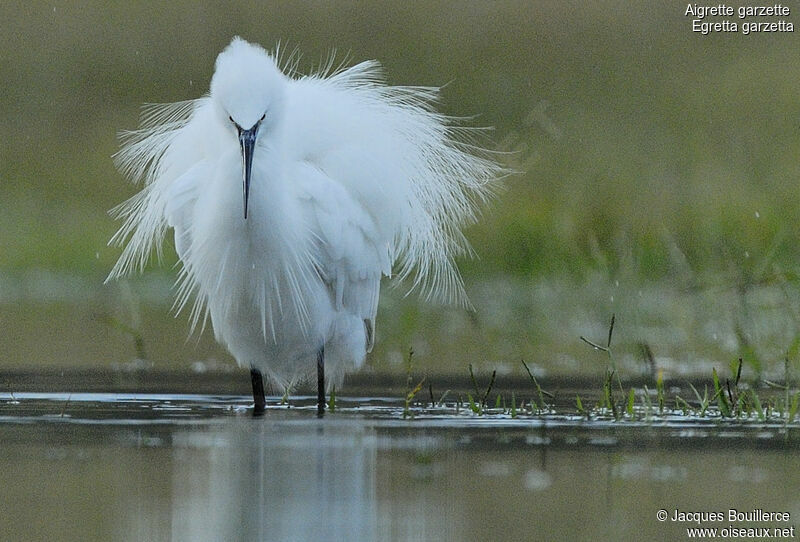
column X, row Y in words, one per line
column 659, row 174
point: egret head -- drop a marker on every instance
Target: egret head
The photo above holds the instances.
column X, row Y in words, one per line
column 247, row 90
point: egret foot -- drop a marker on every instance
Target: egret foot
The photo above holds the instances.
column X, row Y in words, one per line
column 259, row 401
column 321, row 382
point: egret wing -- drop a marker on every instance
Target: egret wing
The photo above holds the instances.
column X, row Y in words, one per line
column 349, row 252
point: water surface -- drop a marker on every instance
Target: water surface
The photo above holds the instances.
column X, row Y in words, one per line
column 114, row 466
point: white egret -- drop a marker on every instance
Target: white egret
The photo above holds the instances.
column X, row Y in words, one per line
column 290, row 197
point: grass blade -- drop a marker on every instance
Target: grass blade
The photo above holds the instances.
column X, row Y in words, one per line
column 719, row 394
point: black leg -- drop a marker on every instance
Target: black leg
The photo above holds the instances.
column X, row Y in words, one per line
column 259, row 401
column 321, row 382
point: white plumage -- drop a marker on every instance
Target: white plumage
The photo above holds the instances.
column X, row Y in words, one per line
column 351, row 179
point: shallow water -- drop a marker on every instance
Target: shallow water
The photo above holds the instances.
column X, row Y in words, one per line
column 103, row 466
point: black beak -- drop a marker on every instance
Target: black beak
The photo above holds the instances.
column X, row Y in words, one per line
column 247, row 140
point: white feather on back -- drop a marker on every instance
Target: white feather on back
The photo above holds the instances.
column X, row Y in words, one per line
column 403, row 162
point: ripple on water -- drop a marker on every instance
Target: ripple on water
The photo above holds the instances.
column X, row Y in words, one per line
column 431, row 428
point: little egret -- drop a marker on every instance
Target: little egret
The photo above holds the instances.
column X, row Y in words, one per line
column 290, row 196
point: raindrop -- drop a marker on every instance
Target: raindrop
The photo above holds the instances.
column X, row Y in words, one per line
column 537, row 480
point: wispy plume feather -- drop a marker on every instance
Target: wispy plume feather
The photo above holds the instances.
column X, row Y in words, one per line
column 356, row 180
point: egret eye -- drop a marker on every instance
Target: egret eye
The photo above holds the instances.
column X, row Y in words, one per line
column 235, row 124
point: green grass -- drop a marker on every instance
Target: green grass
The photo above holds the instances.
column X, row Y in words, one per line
column 731, row 401
column 411, row 392
column 732, row 398
column 332, row 400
